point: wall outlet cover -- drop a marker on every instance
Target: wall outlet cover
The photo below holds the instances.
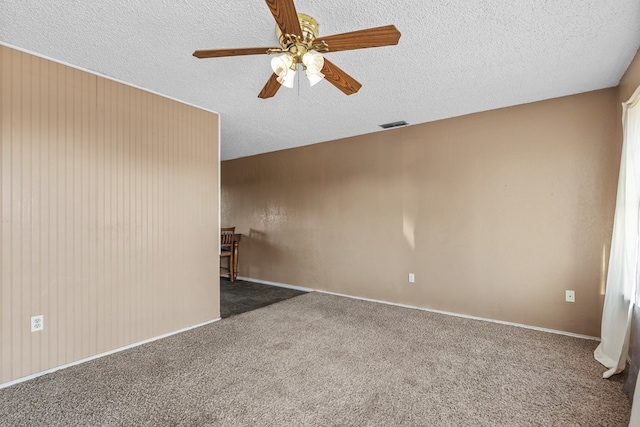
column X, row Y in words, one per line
column 570, row 296
column 37, row 323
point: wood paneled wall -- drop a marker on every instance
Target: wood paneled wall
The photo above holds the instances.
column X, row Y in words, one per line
column 109, row 216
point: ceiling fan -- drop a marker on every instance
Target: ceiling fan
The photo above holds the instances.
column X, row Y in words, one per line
column 300, row 44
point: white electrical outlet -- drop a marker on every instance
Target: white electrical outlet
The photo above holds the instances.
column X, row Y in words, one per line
column 37, row 323
column 570, row 296
column 412, row 278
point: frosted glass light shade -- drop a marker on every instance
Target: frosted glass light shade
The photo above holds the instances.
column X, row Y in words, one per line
column 287, row 79
column 283, row 67
column 280, row 64
column 313, row 61
column 314, row 78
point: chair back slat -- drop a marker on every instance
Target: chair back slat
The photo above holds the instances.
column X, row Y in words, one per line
column 226, row 235
column 227, row 250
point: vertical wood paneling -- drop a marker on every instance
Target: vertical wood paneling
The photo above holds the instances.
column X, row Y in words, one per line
column 42, row 225
column 108, row 217
column 51, row 160
column 5, row 291
column 14, row 218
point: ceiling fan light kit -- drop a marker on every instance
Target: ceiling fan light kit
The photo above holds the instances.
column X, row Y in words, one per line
column 300, row 44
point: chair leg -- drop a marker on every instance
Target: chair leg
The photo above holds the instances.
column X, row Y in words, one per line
column 234, row 252
column 232, row 276
column 229, row 267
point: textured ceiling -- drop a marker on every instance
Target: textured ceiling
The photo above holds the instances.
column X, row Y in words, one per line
column 454, row 57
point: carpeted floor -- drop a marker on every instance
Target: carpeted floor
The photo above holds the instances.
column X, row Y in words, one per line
column 242, row 296
column 323, row 360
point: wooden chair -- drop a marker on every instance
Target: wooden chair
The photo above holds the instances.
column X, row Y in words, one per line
column 226, row 248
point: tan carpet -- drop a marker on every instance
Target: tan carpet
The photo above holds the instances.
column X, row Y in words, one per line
column 322, row 360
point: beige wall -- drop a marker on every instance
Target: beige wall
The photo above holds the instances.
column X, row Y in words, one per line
column 496, row 213
column 631, row 79
column 108, row 216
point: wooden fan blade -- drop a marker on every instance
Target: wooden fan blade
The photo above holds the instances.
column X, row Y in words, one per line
column 271, row 88
column 284, row 12
column 371, row 37
column 339, row 78
column 217, row 53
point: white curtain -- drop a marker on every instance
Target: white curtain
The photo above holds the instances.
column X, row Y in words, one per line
column 623, row 260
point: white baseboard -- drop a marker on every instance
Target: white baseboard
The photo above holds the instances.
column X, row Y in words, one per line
column 106, row 353
column 280, row 285
column 447, row 313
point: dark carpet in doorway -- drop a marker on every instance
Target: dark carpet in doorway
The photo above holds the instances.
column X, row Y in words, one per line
column 242, row 296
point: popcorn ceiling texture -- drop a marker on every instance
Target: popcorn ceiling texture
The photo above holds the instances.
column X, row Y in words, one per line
column 454, row 58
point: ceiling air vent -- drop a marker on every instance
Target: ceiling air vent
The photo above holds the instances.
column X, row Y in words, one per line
column 394, row 124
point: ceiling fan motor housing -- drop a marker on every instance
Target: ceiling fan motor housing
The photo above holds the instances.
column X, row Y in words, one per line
column 298, row 47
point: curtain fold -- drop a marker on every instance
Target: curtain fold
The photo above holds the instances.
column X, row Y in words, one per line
column 622, row 276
